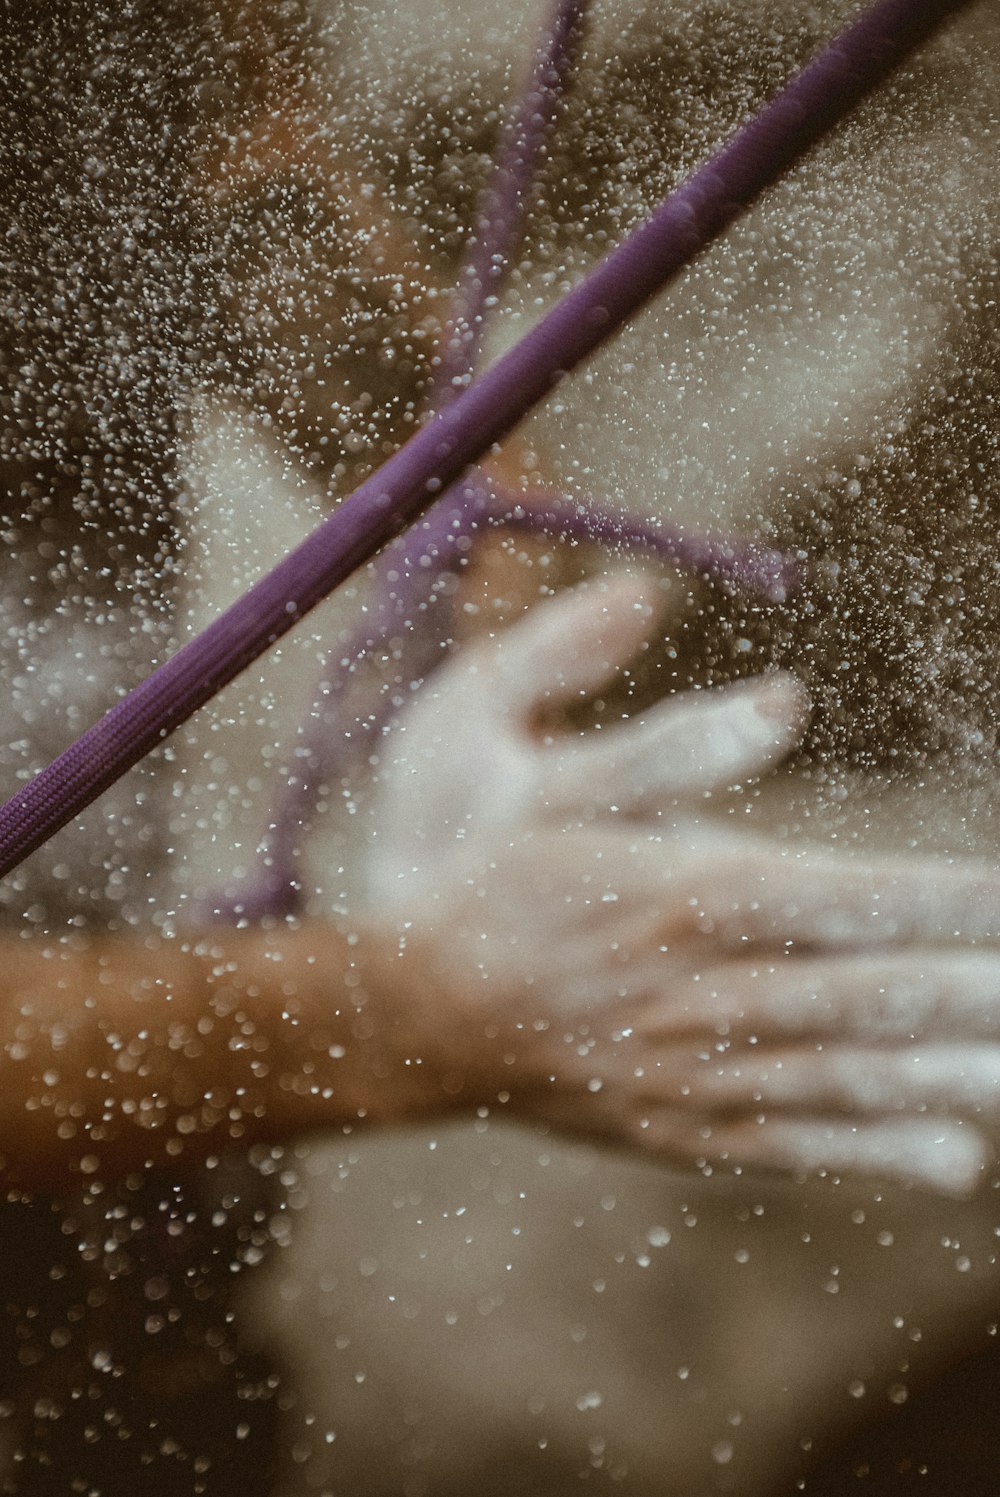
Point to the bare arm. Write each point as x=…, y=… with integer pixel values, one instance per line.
x=554, y=926
x=115, y=1053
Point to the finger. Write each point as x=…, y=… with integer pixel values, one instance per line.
x=836, y=900
x=743, y=892
x=940, y=1155
x=911, y=995
x=695, y=742
x=959, y=1079
x=572, y=644
x=947, y=1156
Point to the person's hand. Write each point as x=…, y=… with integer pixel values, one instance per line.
x=608, y=958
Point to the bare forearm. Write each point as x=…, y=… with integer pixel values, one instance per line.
x=116, y=1053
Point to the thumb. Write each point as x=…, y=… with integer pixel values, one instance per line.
x=572, y=644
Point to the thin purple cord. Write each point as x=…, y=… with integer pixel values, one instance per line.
x=501, y=210
x=690, y=218
x=401, y=582
x=481, y=275
x=743, y=564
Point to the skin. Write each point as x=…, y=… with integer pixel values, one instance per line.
x=554, y=926
x=116, y=1054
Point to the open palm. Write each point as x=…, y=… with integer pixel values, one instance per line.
x=607, y=957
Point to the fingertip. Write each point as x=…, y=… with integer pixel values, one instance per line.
x=953, y=1163
x=945, y=1157
x=780, y=697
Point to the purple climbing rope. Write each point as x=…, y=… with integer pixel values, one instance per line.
x=401, y=582
x=498, y=219
x=743, y=564
x=689, y=219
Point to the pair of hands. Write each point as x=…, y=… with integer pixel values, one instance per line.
x=614, y=963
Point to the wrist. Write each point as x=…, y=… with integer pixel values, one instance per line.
x=336, y=1027
x=119, y=1054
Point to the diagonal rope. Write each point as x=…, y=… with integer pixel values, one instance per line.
x=689, y=219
